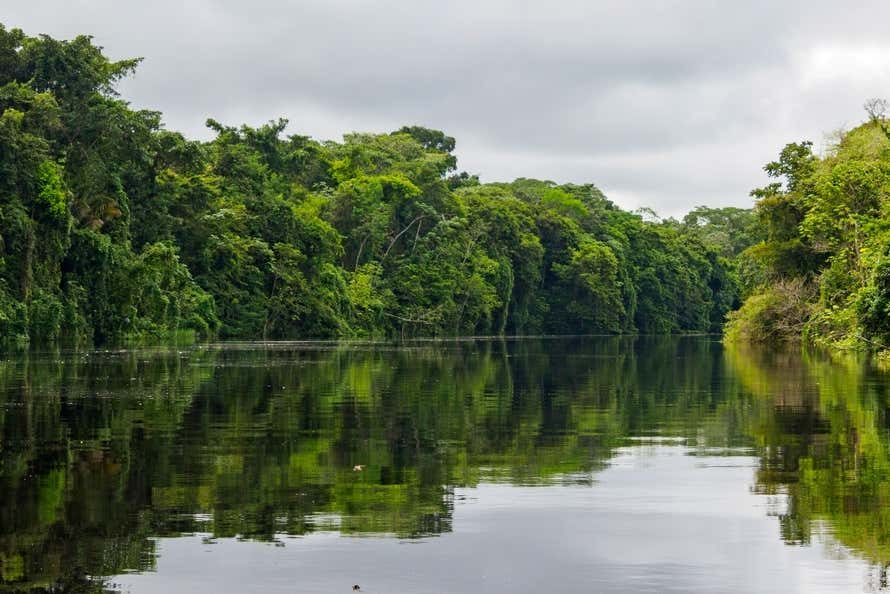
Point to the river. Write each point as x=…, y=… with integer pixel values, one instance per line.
x=598, y=465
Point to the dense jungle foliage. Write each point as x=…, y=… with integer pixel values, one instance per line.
x=822, y=271
x=112, y=227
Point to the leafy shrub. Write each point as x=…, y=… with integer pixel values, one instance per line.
x=778, y=313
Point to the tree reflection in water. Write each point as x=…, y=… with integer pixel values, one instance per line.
x=104, y=451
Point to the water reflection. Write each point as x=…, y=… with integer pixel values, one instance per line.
x=104, y=453
x=824, y=437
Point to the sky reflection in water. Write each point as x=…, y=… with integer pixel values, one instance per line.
x=598, y=464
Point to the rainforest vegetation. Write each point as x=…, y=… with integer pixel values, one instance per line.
x=822, y=271
x=113, y=227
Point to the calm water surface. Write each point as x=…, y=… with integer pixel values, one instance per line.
x=522, y=466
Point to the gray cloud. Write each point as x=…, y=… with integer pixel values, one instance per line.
x=663, y=103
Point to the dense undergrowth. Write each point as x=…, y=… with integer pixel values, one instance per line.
x=822, y=273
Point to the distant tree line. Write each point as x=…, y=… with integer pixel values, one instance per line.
x=112, y=227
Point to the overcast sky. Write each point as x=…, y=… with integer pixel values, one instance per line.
x=667, y=104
